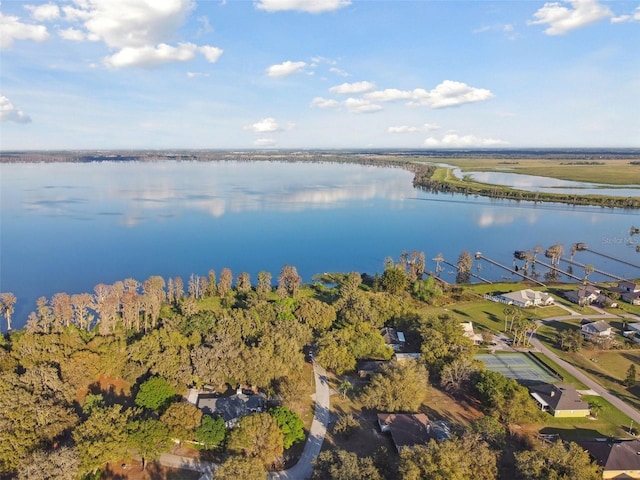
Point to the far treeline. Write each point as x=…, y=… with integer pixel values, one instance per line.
x=97, y=378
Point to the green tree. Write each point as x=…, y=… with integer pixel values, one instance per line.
x=346, y=425
x=291, y=425
x=149, y=438
x=342, y=465
x=182, y=419
x=505, y=398
x=258, y=435
x=58, y=464
x=289, y=282
x=400, y=386
x=318, y=315
x=245, y=468
x=155, y=394
x=464, y=265
x=102, y=438
x=458, y=459
x=557, y=461
x=211, y=432
x=596, y=407
x=443, y=341
x=630, y=378
x=490, y=430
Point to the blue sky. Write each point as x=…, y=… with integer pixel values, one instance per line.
x=118, y=74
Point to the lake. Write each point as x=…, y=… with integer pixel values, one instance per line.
x=66, y=227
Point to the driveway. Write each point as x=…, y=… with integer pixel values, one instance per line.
x=301, y=470
x=589, y=382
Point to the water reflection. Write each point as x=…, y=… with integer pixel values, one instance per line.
x=139, y=191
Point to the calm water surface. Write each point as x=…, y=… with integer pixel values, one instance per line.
x=67, y=227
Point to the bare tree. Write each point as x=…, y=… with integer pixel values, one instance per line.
x=243, y=282
x=224, y=284
x=264, y=284
x=289, y=282
x=7, y=304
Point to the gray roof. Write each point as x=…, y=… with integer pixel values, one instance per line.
x=560, y=397
x=407, y=429
x=599, y=326
x=233, y=407
x=619, y=455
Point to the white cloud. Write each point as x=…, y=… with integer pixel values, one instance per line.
x=339, y=72
x=427, y=127
x=635, y=17
x=196, y=74
x=264, y=125
x=360, y=105
x=310, y=6
x=9, y=113
x=449, y=94
x=212, y=54
x=562, y=19
x=453, y=140
x=45, y=12
x=320, y=102
x=11, y=28
x=388, y=95
x=264, y=142
x=72, y=34
x=151, y=56
x=286, y=68
x=352, y=88
x=134, y=23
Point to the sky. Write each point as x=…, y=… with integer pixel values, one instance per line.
x=316, y=74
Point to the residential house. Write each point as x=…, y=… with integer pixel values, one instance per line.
x=629, y=292
x=596, y=330
x=559, y=400
x=229, y=408
x=393, y=338
x=584, y=295
x=407, y=429
x=618, y=458
x=526, y=298
x=476, y=338
x=633, y=331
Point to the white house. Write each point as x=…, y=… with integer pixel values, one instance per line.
x=597, y=330
x=526, y=298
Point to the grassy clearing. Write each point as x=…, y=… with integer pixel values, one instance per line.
x=613, y=172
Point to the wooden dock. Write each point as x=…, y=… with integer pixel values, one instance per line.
x=479, y=256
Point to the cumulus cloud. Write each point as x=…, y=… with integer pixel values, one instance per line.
x=634, y=17
x=137, y=30
x=449, y=94
x=453, y=140
x=212, y=54
x=11, y=28
x=151, y=56
x=286, y=68
x=562, y=19
x=310, y=6
x=9, y=113
x=45, y=12
x=388, y=95
x=72, y=34
x=360, y=105
x=320, y=102
x=352, y=88
x=265, y=125
x=427, y=127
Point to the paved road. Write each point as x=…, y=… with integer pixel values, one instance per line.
x=304, y=468
x=589, y=382
x=301, y=470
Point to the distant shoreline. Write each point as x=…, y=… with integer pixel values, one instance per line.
x=421, y=162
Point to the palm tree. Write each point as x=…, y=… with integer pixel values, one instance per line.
x=588, y=270
x=344, y=388
x=596, y=408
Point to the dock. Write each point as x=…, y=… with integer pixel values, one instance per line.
x=479, y=256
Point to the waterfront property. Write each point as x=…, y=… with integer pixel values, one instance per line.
x=525, y=298
x=629, y=292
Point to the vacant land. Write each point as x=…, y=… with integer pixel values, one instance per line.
x=608, y=171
